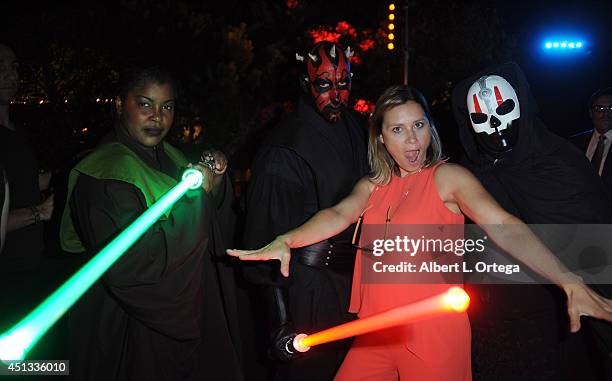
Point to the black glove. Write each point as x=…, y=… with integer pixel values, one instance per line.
x=281, y=347
x=283, y=332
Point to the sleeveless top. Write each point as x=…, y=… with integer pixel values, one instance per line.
x=411, y=200
x=441, y=341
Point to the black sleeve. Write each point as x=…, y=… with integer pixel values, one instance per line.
x=100, y=210
x=276, y=196
x=276, y=202
x=226, y=213
x=157, y=280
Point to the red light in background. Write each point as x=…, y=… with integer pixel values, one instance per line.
x=363, y=106
x=324, y=35
x=345, y=28
x=366, y=44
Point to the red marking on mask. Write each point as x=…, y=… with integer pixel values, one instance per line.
x=476, y=105
x=336, y=96
x=498, y=96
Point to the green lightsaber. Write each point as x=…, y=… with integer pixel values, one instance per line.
x=19, y=340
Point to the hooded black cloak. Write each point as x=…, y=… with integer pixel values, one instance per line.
x=164, y=310
x=543, y=180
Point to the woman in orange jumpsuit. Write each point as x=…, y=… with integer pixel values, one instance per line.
x=411, y=184
x=432, y=349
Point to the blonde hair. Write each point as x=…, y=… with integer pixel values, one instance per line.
x=382, y=164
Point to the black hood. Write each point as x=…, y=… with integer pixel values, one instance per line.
x=544, y=179
x=533, y=136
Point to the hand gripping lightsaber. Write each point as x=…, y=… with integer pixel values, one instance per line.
x=19, y=340
x=453, y=300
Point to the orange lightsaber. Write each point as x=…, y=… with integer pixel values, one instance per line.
x=455, y=299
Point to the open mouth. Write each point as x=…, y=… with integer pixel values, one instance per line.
x=412, y=155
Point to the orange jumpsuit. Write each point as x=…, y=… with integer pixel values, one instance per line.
x=434, y=349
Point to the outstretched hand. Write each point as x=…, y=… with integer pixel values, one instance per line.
x=582, y=300
x=277, y=249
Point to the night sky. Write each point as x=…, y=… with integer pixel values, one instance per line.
x=448, y=41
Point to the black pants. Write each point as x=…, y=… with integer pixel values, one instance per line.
x=318, y=299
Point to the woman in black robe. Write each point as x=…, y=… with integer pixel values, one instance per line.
x=162, y=311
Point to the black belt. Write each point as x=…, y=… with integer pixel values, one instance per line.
x=328, y=253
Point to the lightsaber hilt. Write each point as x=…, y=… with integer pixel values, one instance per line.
x=293, y=345
x=297, y=344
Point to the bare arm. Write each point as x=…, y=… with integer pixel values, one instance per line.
x=322, y=225
x=331, y=221
x=19, y=218
x=515, y=237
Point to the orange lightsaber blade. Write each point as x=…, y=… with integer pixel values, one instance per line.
x=455, y=299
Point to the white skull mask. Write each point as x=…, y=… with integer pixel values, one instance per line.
x=492, y=104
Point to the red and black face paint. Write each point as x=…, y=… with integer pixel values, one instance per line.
x=329, y=79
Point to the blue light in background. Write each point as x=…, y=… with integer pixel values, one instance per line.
x=563, y=44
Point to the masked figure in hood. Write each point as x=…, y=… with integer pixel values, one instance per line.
x=492, y=115
x=542, y=179
x=310, y=162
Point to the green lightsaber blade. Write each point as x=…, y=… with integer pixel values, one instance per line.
x=19, y=340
